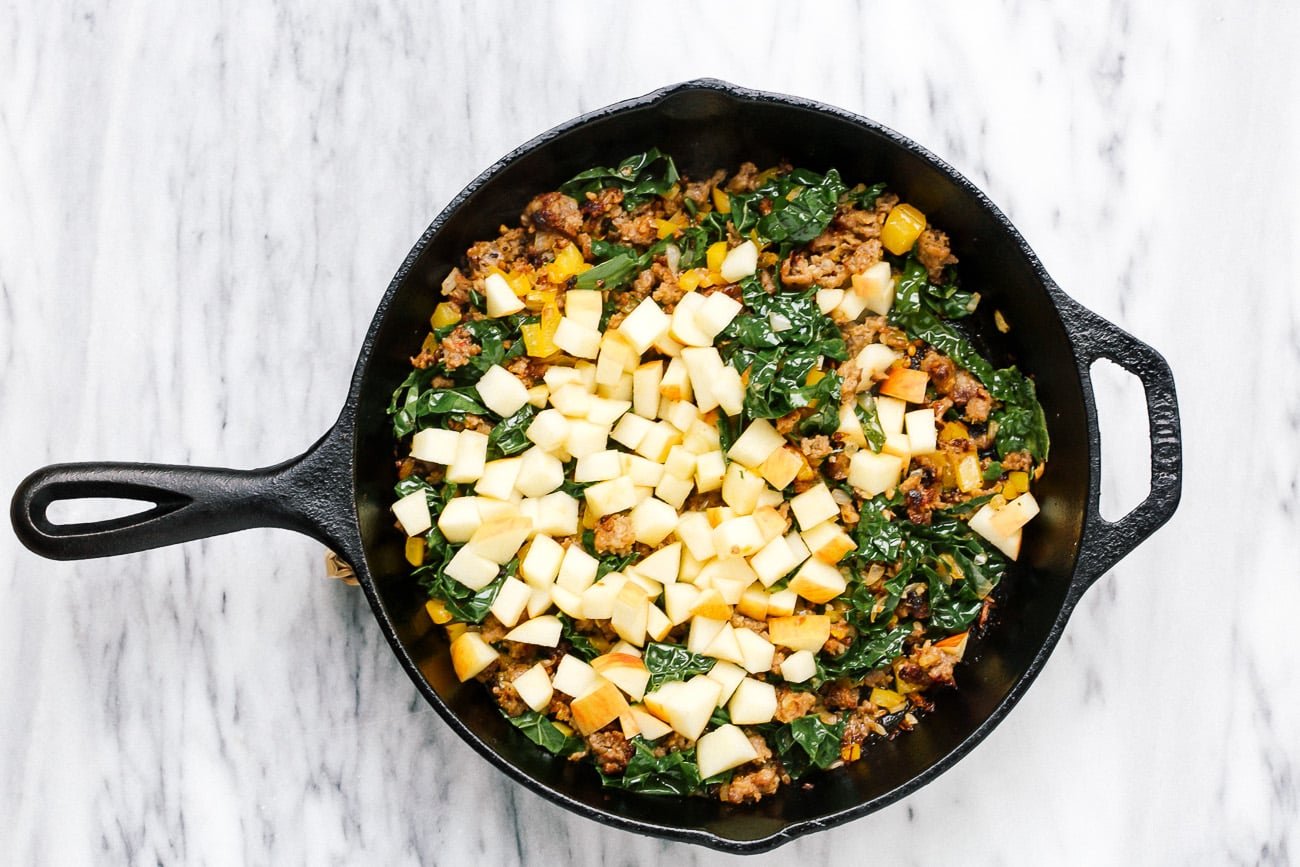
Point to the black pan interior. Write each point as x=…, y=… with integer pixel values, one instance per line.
x=705, y=128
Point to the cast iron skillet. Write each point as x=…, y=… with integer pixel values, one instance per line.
x=339, y=491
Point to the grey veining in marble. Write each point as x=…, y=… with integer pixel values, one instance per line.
x=200, y=205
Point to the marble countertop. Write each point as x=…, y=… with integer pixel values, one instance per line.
x=200, y=205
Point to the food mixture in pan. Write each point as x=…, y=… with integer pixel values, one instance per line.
x=700, y=480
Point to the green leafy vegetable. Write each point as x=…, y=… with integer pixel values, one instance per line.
x=675, y=773
x=870, y=421
x=580, y=644
x=673, y=662
x=607, y=562
x=415, y=407
x=872, y=649
x=1021, y=422
x=640, y=177
x=545, y=734
x=800, y=205
x=807, y=743
x=610, y=274
x=508, y=436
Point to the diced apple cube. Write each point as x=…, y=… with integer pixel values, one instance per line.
x=598, y=599
x=695, y=531
x=703, y=628
x=741, y=262
x=615, y=495
x=643, y=326
x=598, y=467
x=680, y=463
x=828, y=542
x=652, y=521
x=412, y=512
x=645, y=388
x=738, y=537
x=727, y=675
x=584, y=306
x=679, y=600
x=753, y=703
x=706, y=370
x=501, y=391
x=662, y=565
x=685, y=706
x=572, y=399
x=534, y=687
x=780, y=467
x=684, y=327
x=800, y=631
x=799, y=666
x=470, y=654
x=770, y=522
x=728, y=577
x=576, y=339
x=891, y=411
x=658, y=440
x=498, y=479
x=818, y=582
x=625, y=671
x=828, y=299
x=922, y=436
x=598, y=708
x=434, y=445
x=459, y=519
x=702, y=437
x=724, y=646
x=538, y=396
x=652, y=728
x=471, y=455
x=605, y=410
x=575, y=678
x=756, y=444
x=729, y=391
x=471, y=569
x=850, y=426
x=539, y=601
x=676, y=382
x=710, y=470
x=775, y=560
x=716, y=313
x=539, y=473
x=549, y=429
x=557, y=376
x=850, y=307
x=874, y=473
x=631, y=429
x=617, y=357
x=753, y=602
x=876, y=288
x=756, y=651
x=657, y=624
x=874, y=360
x=631, y=610
x=1015, y=514
x=814, y=506
x=499, y=540
x=586, y=438
x=510, y=601
x=501, y=299
x=577, y=569
x=982, y=522
x=541, y=563
x=905, y=384
x=741, y=487
x=543, y=631
x=673, y=490
x=558, y=515
x=782, y=603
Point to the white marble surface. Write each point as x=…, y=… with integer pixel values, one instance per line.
x=200, y=206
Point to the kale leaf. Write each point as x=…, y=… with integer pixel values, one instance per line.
x=580, y=644
x=545, y=734
x=675, y=773
x=807, y=743
x=641, y=177
x=508, y=436
x=673, y=662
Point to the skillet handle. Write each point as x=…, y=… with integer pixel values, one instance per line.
x=1105, y=542
x=309, y=494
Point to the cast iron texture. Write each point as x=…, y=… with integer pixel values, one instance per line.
x=340, y=490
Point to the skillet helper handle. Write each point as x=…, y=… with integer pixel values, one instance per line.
x=1106, y=542
x=188, y=503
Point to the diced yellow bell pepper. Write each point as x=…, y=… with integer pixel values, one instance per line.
x=851, y=753
x=888, y=699
x=953, y=430
x=568, y=263
x=438, y=612
x=415, y=550
x=715, y=254
x=721, y=201
x=815, y=376
x=430, y=343
x=456, y=630
x=689, y=281
x=539, y=337
x=969, y=477
x=902, y=227
x=444, y=314
x=1016, y=484
x=539, y=300
x=521, y=282
x=666, y=228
